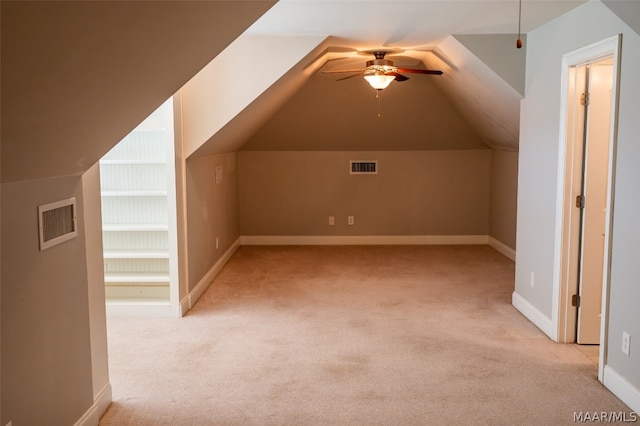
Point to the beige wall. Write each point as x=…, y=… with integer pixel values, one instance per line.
x=329, y=115
x=46, y=346
x=414, y=193
x=504, y=196
x=212, y=212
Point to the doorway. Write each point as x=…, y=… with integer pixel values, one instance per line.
x=588, y=132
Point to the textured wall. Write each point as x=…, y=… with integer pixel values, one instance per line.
x=212, y=211
x=414, y=193
x=504, y=196
x=46, y=347
x=329, y=115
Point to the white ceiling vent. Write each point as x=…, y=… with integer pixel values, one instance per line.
x=57, y=222
x=363, y=167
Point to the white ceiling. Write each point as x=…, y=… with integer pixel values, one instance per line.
x=472, y=41
x=420, y=25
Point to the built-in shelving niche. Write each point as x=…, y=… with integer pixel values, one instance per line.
x=137, y=179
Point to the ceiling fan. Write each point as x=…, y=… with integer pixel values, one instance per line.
x=381, y=72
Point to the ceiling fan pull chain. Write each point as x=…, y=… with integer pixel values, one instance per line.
x=519, y=41
x=379, y=103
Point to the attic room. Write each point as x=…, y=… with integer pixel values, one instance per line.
x=481, y=142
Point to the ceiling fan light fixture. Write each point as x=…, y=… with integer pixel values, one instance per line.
x=379, y=80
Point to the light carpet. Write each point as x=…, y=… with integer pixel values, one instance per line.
x=351, y=335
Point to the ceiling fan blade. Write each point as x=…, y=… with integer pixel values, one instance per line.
x=342, y=71
x=350, y=76
x=399, y=77
x=420, y=71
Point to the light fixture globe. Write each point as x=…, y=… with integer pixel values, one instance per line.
x=378, y=72
x=378, y=79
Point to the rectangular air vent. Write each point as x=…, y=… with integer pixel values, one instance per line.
x=57, y=222
x=364, y=167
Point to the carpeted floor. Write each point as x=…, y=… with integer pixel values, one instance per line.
x=351, y=335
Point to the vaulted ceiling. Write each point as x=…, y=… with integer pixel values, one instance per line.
x=78, y=76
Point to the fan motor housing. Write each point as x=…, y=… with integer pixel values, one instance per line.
x=379, y=63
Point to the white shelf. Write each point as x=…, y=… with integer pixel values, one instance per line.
x=136, y=254
x=129, y=193
x=128, y=278
x=132, y=161
x=135, y=227
x=135, y=213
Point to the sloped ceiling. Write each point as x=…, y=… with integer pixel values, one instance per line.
x=77, y=76
x=213, y=99
x=628, y=11
x=475, y=103
x=411, y=24
x=349, y=115
x=484, y=79
x=471, y=106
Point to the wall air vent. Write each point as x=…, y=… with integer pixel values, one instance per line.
x=363, y=167
x=57, y=222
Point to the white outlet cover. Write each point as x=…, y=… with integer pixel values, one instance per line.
x=626, y=343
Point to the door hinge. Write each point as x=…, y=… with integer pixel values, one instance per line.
x=580, y=201
x=584, y=99
x=575, y=300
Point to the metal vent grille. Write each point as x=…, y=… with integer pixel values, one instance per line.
x=57, y=222
x=363, y=167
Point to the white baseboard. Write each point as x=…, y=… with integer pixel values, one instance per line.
x=502, y=248
x=621, y=388
x=534, y=315
x=363, y=239
x=193, y=296
x=100, y=404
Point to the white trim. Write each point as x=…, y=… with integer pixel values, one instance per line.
x=621, y=388
x=532, y=313
x=249, y=240
x=193, y=296
x=100, y=404
x=502, y=248
x=609, y=47
x=615, y=45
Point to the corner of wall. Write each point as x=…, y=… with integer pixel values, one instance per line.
x=534, y=315
x=190, y=300
x=502, y=248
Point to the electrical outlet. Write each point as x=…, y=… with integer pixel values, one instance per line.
x=532, y=279
x=350, y=220
x=626, y=343
x=332, y=220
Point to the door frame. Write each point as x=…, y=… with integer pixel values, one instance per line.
x=564, y=315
